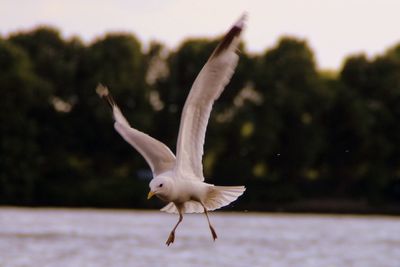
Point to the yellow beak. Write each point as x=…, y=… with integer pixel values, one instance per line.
x=151, y=193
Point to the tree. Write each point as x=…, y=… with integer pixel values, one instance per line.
x=295, y=100
x=374, y=89
x=24, y=98
x=102, y=159
x=54, y=60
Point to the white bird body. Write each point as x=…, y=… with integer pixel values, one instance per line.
x=179, y=181
x=186, y=190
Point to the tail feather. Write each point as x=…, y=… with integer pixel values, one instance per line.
x=221, y=196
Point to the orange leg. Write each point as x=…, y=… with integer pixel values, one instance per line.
x=171, y=237
x=213, y=233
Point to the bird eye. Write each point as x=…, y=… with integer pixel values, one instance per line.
x=161, y=185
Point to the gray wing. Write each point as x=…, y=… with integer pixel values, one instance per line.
x=207, y=87
x=157, y=155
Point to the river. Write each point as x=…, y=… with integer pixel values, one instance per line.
x=89, y=237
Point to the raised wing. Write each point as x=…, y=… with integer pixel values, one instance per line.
x=158, y=156
x=207, y=87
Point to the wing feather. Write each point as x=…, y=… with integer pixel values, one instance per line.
x=207, y=87
x=157, y=155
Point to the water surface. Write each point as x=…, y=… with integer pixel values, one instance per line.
x=83, y=237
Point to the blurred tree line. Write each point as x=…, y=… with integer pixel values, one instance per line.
x=297, y=137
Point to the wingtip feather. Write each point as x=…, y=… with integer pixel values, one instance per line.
x=104, y=93
x=101, y=90
x=233, y=33
x=241, y=22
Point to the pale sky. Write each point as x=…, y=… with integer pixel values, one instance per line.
x=333, y=28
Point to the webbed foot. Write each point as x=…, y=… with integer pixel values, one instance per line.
x=171, y=238
x=214, y=234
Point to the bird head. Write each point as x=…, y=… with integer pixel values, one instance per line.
x=160, y=186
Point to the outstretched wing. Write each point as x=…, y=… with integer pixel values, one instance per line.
x=207, y=87
x=158, y=156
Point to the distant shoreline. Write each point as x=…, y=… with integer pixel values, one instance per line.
x=342, y=207
x=334, y=206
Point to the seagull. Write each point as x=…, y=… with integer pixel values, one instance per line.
x=179, y=181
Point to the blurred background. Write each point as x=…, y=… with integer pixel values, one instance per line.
x=309, y=121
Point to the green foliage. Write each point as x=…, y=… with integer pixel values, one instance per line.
x=286, y=130
x=24, y=99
